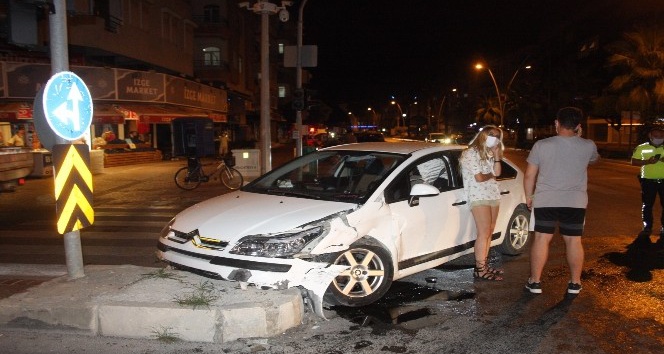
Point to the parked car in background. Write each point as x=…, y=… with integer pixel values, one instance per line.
x=465, y=138
x=317, y=140
x=440, y=138
x=369, y=136
x=344, y=222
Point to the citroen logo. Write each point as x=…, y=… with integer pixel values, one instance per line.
x=196, y=240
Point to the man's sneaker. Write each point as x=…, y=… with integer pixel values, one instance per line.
x=535, y=288
x=573, y=288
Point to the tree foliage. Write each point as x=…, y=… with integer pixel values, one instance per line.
x=638, y=60
x=488, y=112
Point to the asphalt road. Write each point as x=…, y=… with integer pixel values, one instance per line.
x=621, y=308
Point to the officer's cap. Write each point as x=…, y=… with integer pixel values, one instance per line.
x=657, y=124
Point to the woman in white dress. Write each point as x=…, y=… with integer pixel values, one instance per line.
x=480, y=165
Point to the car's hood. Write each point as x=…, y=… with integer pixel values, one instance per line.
x=234, y=215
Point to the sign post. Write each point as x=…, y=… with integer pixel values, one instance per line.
x=66, y=105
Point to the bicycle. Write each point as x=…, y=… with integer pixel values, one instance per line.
x=190, y=177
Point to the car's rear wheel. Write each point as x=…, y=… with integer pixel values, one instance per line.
x=517, y=235
x=367, y=280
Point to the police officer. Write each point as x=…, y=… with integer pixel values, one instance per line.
x=650, y=156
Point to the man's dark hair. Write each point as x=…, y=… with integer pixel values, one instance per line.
x=569, y=117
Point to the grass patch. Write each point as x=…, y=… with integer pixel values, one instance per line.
x=203, y=295
x=164, y=334
x=161, y=273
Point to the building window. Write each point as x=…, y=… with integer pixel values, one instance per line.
x=281, y=48
x=211, y=13
x=282, y=91
x=211, y=56
x=170, y=26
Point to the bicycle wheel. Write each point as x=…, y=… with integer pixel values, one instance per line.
x=231, y=178
x=186, y=180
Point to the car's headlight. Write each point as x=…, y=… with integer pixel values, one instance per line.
x=167, y=229
x=282, y=245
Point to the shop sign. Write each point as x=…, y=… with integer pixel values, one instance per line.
x=188, y=93
x=25, y=80
x=218, y=117
x=24, y=113
x=140, y=86
x=101, y=81
x=156, y=119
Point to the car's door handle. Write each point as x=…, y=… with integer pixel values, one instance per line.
x=459, y=203
x=504, y=192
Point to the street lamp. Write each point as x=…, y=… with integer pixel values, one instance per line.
x=440, y=110
x=479, y=66
x=501, y=102
x=401, y=115
x=375, y=117
x=265, y=9
x=353, y=121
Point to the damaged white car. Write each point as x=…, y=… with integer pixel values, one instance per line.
x=343, y=222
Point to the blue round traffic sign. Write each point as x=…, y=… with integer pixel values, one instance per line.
x=67, y=105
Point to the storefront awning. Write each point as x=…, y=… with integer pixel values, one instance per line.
x=15, y=111
x=103, y=113
x=166, y=113
x=108, y=113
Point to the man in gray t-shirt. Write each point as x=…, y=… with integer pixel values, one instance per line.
x=555, y=183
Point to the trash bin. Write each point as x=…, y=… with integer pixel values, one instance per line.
x=96, y=161
x=248, y=162
x=43, y=163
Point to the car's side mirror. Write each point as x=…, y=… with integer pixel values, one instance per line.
x=421, y=190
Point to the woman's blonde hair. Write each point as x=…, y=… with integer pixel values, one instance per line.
x=479, y=141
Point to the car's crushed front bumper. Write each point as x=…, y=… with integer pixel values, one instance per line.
x=275, y=273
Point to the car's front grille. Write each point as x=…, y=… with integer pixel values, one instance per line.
x=198, y=240
x=229, y=262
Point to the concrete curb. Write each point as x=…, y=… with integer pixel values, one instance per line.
x=142, y=302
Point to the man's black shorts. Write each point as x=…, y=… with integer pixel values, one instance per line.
x=569, y=220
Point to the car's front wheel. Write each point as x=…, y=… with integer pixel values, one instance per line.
x=367, y=280
x=517, y=235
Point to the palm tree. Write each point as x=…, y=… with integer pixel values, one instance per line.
x=639, y=59
x=488, y=112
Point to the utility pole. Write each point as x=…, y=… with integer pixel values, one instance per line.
x=60, y=62
x=298, y=77
x=265, y=9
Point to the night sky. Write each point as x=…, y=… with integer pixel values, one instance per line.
x=370, y=49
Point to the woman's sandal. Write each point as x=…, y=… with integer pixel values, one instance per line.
x=497, y=271
x=484, y=273
x=490, y=269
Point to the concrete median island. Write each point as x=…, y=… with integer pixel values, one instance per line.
x=143, y=302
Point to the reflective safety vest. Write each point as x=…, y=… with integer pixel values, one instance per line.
x=646, y=151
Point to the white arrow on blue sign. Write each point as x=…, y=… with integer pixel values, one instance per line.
x=67, y=105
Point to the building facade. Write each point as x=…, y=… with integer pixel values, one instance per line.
x=145, y=62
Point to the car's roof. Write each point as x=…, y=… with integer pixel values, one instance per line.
x=408, y=147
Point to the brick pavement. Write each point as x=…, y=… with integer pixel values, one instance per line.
x=12, y=284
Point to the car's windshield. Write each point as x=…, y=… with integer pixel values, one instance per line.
x=345, y=176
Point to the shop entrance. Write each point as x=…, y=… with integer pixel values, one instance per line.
x=193, y=137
